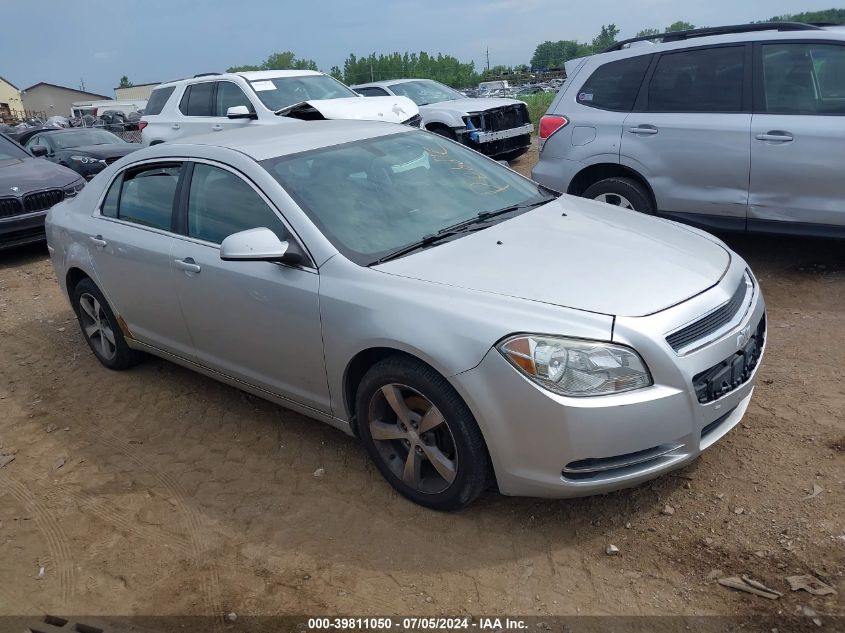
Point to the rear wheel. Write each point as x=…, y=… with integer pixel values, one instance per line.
x=626, y=193
x=421, y=435
x=100, y=327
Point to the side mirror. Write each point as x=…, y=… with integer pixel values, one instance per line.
x=259, y=244
x=39, y=150
x=504, y=162
x=240, y=112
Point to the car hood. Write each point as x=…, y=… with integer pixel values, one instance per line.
x=32, y=174
x=578, y=254
x=110, y=150
x=390, y=109
x=469, y=105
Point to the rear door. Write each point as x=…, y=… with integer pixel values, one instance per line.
x=798, y=136
x=688, y=134
x=197, y=108
x=130, y=249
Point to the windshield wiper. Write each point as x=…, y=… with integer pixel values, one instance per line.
x=476, y=223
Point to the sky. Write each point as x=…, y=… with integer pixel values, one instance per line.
x=157, y=40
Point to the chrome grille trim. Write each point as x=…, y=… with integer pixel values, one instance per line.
x=715, y=323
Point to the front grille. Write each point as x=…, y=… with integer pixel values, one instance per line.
x=42, y=200
x=414, y=121
x=10, y=207
x=499, y=119
x=722, y=378
x=711, y=322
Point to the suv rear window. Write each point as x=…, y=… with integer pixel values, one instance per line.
x=157, y=100
x=614, y=86
x=702, y=80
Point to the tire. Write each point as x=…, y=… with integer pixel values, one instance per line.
x=621, y=192
x=407, y=457
x=101, y=329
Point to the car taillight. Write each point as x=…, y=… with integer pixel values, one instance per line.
x=142, y=125
x=551, y=123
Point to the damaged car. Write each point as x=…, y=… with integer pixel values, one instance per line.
x=213, y=102
x=495, y=127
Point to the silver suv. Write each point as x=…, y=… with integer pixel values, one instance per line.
x=213, y=102
x=737, y=128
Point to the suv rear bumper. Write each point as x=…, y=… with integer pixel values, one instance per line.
x=556, y=173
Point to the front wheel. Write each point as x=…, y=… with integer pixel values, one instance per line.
x=421, y=435
x=626, y=193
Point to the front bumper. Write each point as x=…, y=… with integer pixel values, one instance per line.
x=18, y=230
x=547, y=445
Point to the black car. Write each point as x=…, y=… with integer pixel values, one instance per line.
x=86, y=151
x=29, y=186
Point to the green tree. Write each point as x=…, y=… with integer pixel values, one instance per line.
x=337, y=73
x=605, y=38
x=828, y=16
x=550, y=55
x=679, y=26
x=648, y=33
x=125, y=83
x=286, y=60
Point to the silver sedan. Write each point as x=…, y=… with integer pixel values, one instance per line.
x=471, y=327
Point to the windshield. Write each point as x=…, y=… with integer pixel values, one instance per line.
x=78, y=138
x=282, y=92
x=374, y=196
x=425, y=91
x=10, y=150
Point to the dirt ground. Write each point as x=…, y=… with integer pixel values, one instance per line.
x=159, y=491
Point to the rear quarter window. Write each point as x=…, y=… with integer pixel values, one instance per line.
x=157, y=99
x=614, y=85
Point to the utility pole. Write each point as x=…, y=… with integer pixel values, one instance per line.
x=488, y=59
x=372, y=78
x=82, y=84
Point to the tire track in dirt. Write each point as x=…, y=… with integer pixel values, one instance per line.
x=207, y=573
x=51, y=528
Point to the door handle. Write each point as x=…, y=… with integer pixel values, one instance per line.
x=98, y=241
x=217, y=127
x=775, y=135
x=175, y=126
x=643, y=129
x=188, y=265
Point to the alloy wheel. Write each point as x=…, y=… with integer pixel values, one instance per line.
x=615, y=199
x=413, y=438
x=96, y=326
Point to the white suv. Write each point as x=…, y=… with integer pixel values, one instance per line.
x=214, y=102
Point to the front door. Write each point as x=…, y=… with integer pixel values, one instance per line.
x=798, y=137
x=689, y=135
x=255, y=321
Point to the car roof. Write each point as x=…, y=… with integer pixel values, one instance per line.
x=645, y=48
x=269, y=141
x=252, y=75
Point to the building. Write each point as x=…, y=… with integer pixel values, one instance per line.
x=51, y=99
x=138, y=91
x=10, y=100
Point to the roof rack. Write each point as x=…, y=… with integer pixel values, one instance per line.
x=715, y=30
x=205, y=75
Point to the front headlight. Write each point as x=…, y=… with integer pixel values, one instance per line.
x=84, y=159
x=74, y=188
x=574, y=367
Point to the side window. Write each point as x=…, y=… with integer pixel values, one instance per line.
x=109, y=208
x=703, y=80
x=157, y=100
x=804, y=78
x=147, y=193
x=614, y=86
x=221, y=203
x=372, y=92
x=229, y=95
x=197, y=99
